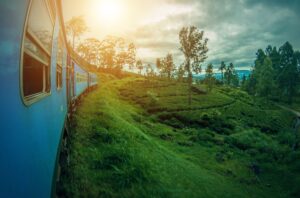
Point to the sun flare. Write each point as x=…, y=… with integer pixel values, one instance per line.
x=108, y=11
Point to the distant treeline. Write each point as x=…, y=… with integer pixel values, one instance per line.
x=276, y=74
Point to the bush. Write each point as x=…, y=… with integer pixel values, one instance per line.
x=153, y=99
x=250, y=139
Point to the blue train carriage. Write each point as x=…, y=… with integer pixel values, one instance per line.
x=33, y=104
x=81, y=83
x=93, y=81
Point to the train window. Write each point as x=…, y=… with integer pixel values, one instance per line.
x=80, y=78
x=51, y=5
x=37, y=52
x=59, y=63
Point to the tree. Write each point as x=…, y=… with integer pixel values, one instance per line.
x=75, y=27
x=159, y=65
x=275, y=59
x=194, y=48
x=107, y=53
x=180, y=73
x=228, y=75
x=209, y=78
x=266, y=84
x=243, y=82
x=222, y=68
x=258, y=64
x=235, y=81
x=288, y=71
x=89, y=50
x=250, y=84
x=139, y=66
x=297, y=57
x=167, y=65
x=131, y=56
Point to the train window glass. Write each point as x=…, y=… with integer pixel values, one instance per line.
x=51, y=4
x=40, y=25
x=33, y=76
x=59, y=62
x=37, y=51
x=81, y=78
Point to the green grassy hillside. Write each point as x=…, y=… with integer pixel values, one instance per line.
x=134, y=137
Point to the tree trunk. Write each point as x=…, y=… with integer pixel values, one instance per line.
x=74, y=42
x=190, y=79
x=222, y=76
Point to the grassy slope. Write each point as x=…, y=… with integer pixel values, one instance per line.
x=119, y=150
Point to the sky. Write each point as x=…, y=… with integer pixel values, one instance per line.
x=235, y=28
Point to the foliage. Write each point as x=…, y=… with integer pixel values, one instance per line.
x=222, y=149
x=75, y=27
x=139, y=65
x=266, y=84
x=166, y=66
x=209, y=78
x=194, y=49
x=112, y=53
x=222, y=68
x=275, y=73
x=231, y=76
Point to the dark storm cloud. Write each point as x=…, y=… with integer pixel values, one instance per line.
x=236, y=28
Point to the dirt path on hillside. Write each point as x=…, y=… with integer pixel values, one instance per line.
x=290, y=110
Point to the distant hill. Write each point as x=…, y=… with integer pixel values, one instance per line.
x=218, y=75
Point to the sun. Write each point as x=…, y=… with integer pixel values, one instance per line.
x=108, y=11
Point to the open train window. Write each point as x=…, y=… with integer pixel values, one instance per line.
x=37, y=52
x=59, y=64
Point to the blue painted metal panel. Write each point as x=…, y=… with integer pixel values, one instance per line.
x=80, y=87
x=93, y=79
x=29, y=136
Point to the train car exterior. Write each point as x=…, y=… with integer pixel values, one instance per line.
x=81, y=80
x=37, y=82
x=93, y=80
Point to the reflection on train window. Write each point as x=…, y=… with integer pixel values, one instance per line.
x=37, y=51
x=80, y=78
x=59, y=63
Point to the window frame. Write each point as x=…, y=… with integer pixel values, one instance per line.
x=33, y=98
x=59, y=66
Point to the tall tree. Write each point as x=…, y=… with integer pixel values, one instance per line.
x=159, y=65
x=89, y=50
x=139, y=66
x=229, y=73
x=149, y=71
x=275, y=59
x=131, y=56
x=180, y=73
x=266, y=84
x=194, y=48
x=258, y=64
x=209, y=78
x=167, y=65
x=75, y=27
x=288, y=71
x=297, y=57
x=235, y=80
x=250, y=84
x=222, y=68
x=243, y=82
x=107, y=53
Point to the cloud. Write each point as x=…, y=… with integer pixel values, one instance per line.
x=235, y=28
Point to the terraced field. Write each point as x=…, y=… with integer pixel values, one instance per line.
x=136, y=137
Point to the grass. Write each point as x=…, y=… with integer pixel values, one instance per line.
x=138, y=138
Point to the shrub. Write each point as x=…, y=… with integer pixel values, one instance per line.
x=153, y=99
